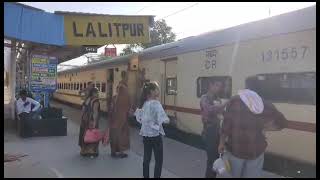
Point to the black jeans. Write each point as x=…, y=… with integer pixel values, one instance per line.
x=24, y=124
x=211, y=140
x=152, y=144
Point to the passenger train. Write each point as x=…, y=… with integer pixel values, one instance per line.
x=275, y=56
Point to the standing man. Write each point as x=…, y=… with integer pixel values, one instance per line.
x=211, y=107
x=242, y=134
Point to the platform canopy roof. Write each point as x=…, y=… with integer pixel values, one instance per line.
x=37, y=30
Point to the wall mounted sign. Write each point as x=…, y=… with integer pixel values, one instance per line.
x=83, y=29
x=90, y=49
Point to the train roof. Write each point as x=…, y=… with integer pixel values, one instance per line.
x=295, y=21
x=282, y=24
x=113, y=61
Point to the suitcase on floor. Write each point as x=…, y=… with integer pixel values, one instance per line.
x=50, y=127
x=52, y=123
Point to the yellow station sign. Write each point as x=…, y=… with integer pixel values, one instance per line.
x=106, y=29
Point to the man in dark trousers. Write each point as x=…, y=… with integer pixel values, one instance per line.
x=211, y=107
x=26, y=108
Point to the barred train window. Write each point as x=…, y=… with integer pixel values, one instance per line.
x=103, y=87
x=203, y=82
x=171, y=86
x=293, y=88
x=98, y=85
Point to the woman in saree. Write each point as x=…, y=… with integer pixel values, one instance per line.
x=90, y=120
x=119, y=125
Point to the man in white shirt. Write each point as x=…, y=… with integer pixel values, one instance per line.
x=26, y=108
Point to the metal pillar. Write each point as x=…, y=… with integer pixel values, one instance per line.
x=12, y=78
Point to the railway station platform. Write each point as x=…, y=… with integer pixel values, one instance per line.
x=59, y=156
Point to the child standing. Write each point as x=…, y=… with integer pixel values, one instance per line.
x=151, y=115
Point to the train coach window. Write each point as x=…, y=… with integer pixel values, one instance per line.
x=103, y=87
x=293, y=88
x=98, y=86
x=203, y=82
x=171, y=86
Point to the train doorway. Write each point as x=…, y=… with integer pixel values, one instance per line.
x=170, y=94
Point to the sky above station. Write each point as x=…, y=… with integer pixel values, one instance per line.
x=185, y=18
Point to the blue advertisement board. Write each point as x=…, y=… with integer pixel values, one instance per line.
x=43, y=77
x=43, y=73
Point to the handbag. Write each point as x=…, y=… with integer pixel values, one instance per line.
x=92, y=136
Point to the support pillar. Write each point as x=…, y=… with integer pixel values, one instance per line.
x=12, y=78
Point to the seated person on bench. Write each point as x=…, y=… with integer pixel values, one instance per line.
x=26, y=108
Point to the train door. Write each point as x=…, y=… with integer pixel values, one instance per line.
x=170, y=93
x=133, y=73
x=132, y=86
x=109, y=91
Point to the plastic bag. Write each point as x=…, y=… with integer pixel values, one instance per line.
x=222, y=166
